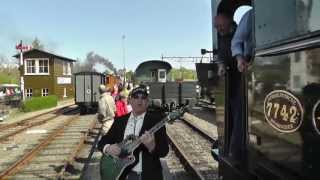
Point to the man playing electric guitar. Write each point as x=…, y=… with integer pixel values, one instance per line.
x=151, y=147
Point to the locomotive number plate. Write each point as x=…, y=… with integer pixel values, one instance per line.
x=316, y=117
x=283, y=111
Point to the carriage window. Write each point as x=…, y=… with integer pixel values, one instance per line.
x=299, y=18
x=162, y=74
x=153, y=74
x=107, y=80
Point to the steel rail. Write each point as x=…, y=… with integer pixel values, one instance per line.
x=182, y=154
x=14, y=168
x=197, y=128
x=5, y=137
x=25, y=121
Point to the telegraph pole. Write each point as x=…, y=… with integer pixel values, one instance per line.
x=124, y=60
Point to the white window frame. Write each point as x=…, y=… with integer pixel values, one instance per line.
x=27, y=66
x=66, y=69
x=69, y=68
x=162, y=72
x=44, y=92
x=65, y=92
x=37, y=68
x=28, y=93
x=44, y=60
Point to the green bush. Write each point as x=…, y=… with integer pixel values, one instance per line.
x=38, y=103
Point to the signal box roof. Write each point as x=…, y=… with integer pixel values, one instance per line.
x=43, y=52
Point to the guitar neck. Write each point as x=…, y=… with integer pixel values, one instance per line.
x=154, y=129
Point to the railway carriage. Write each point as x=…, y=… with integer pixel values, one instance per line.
x=280, y=94
x=112, y=80
x=163, y=92
x=87, y=90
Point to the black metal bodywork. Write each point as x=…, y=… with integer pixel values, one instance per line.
x=172, y=93
x=208, y=79
x=281, y=95
x=169, y=93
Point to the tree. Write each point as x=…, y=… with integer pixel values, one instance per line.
x=36, y=44
x=182, y=74
x=129, y=76
x=3, y=60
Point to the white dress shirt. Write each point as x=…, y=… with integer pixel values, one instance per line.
x=134, y=126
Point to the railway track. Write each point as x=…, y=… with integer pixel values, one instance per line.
x=54, y=152
x=9, y=130
x=192, y=145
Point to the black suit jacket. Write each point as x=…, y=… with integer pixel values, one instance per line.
x=151, y=167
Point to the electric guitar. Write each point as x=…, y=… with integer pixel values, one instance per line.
x=113, y=168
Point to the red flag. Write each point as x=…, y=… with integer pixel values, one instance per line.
x=19, y=46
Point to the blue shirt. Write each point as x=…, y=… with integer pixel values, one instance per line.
x=241, y=43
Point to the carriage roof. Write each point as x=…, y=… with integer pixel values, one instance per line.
x=153, y=64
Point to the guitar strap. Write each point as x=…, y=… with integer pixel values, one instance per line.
x=135, y=125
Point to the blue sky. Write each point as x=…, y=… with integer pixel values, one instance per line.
x=72, y=28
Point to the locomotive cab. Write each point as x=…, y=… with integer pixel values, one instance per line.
x=158, y=75
x=162, y=91
x=280, y=94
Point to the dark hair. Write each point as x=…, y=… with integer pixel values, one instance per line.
x=120, y=87
x=226, y=8
x=116, y=98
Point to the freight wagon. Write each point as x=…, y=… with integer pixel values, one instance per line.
x=87, y=90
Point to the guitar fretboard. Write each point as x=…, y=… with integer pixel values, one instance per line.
x=154, y=129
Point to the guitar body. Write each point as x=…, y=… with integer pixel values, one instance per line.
x=113, y=168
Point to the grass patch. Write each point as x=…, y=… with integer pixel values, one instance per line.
x=9, y=76
x=38, y=103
